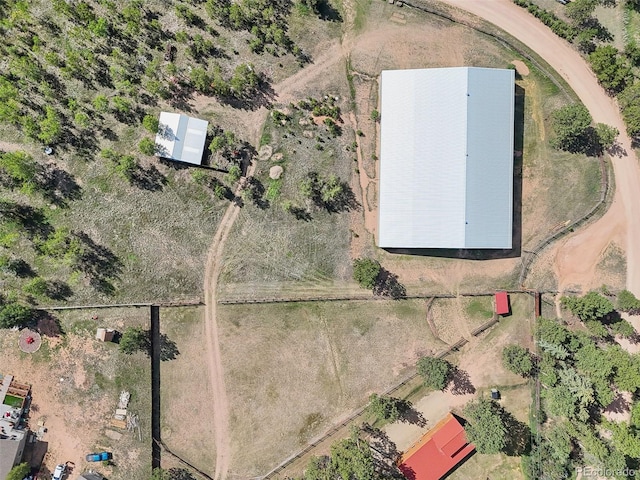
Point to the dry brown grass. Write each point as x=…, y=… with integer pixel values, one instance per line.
x=293, y=370
x=185, y=390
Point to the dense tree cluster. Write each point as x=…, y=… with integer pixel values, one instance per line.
x=580, y=376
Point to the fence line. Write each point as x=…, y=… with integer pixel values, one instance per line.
x=602, y=202
x=177, y=303
x=346, y=298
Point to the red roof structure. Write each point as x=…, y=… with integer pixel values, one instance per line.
x=437, y=452
x=502, y=303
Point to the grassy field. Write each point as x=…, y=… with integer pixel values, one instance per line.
x=294, y=369
x=185, y=393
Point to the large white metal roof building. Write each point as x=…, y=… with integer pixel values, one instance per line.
x=181, y=138
x=446, y=158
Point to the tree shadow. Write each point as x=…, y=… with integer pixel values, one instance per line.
x=33, y=221
x=57, y=290
x=460, y=383
x=387, y=285
x=58, y=186
x=386, y=454
x=150, y=179
x=618, y=405
x=99, y=263
x=168, y=348
x=300, y=213
x=262, y=96
x=345, y=201
x=519, y=437
x=19, y=268
x=327, y=12
x=408, y=414
x=255, y=192
x=48, y=325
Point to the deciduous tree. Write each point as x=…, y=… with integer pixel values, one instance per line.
x=517, y=359
x=135, y=339
x=436, y=372
x=485, y=427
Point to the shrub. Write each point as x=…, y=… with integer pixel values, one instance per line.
x=366, y=271
x=147, y=146
x=151, y=122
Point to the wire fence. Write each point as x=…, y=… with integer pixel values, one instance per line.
x=596, y=210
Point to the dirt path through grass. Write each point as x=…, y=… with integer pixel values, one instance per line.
x=10, y=147
x=622, y=216
x=285, y=91
x=220, y=403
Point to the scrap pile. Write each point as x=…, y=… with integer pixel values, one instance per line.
x=119, y=418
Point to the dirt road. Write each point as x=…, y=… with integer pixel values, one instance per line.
x=561, y=56
x=220, y=403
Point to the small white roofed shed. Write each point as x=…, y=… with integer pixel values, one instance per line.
x=181, y=137
x=446, y=158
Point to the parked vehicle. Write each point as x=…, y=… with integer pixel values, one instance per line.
x=98, y=457
x=59, y=472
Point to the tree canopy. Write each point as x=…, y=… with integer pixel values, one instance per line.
x=436, y=372
x=14, y=315
x=350, y=459
x=135, y=339
x=485, y=427
x=366, y=271
x=612, y=69
x=627, y=302
x=572, y=127
x=19, y=472
x=384, y=407
x=517, y=359
x=592, y=306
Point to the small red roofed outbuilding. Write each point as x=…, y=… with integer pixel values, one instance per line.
x=437, y=452
x=502, y=303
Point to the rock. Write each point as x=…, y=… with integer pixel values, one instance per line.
x=275, y=172
x=307, y=134
x=276, y=157
x=265, y=152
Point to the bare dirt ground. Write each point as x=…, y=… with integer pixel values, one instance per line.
x=10, y=147
x=71, y=397
x=626, y=209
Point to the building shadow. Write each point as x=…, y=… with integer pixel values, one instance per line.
x=34, y=454
x=516, y=229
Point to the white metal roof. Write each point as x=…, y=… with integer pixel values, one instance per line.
x=181, y=137
x=446, y=158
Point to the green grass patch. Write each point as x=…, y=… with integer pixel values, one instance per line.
x=273, y=190
x=480, y=307
x=12, y=401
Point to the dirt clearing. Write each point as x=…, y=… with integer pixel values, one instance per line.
x=76, y=381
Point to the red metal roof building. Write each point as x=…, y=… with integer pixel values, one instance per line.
x=437, y=452
x=502, y=303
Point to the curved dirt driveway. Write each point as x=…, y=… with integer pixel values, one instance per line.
x=581, y=252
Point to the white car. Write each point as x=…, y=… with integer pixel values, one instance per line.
x=59, y=472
